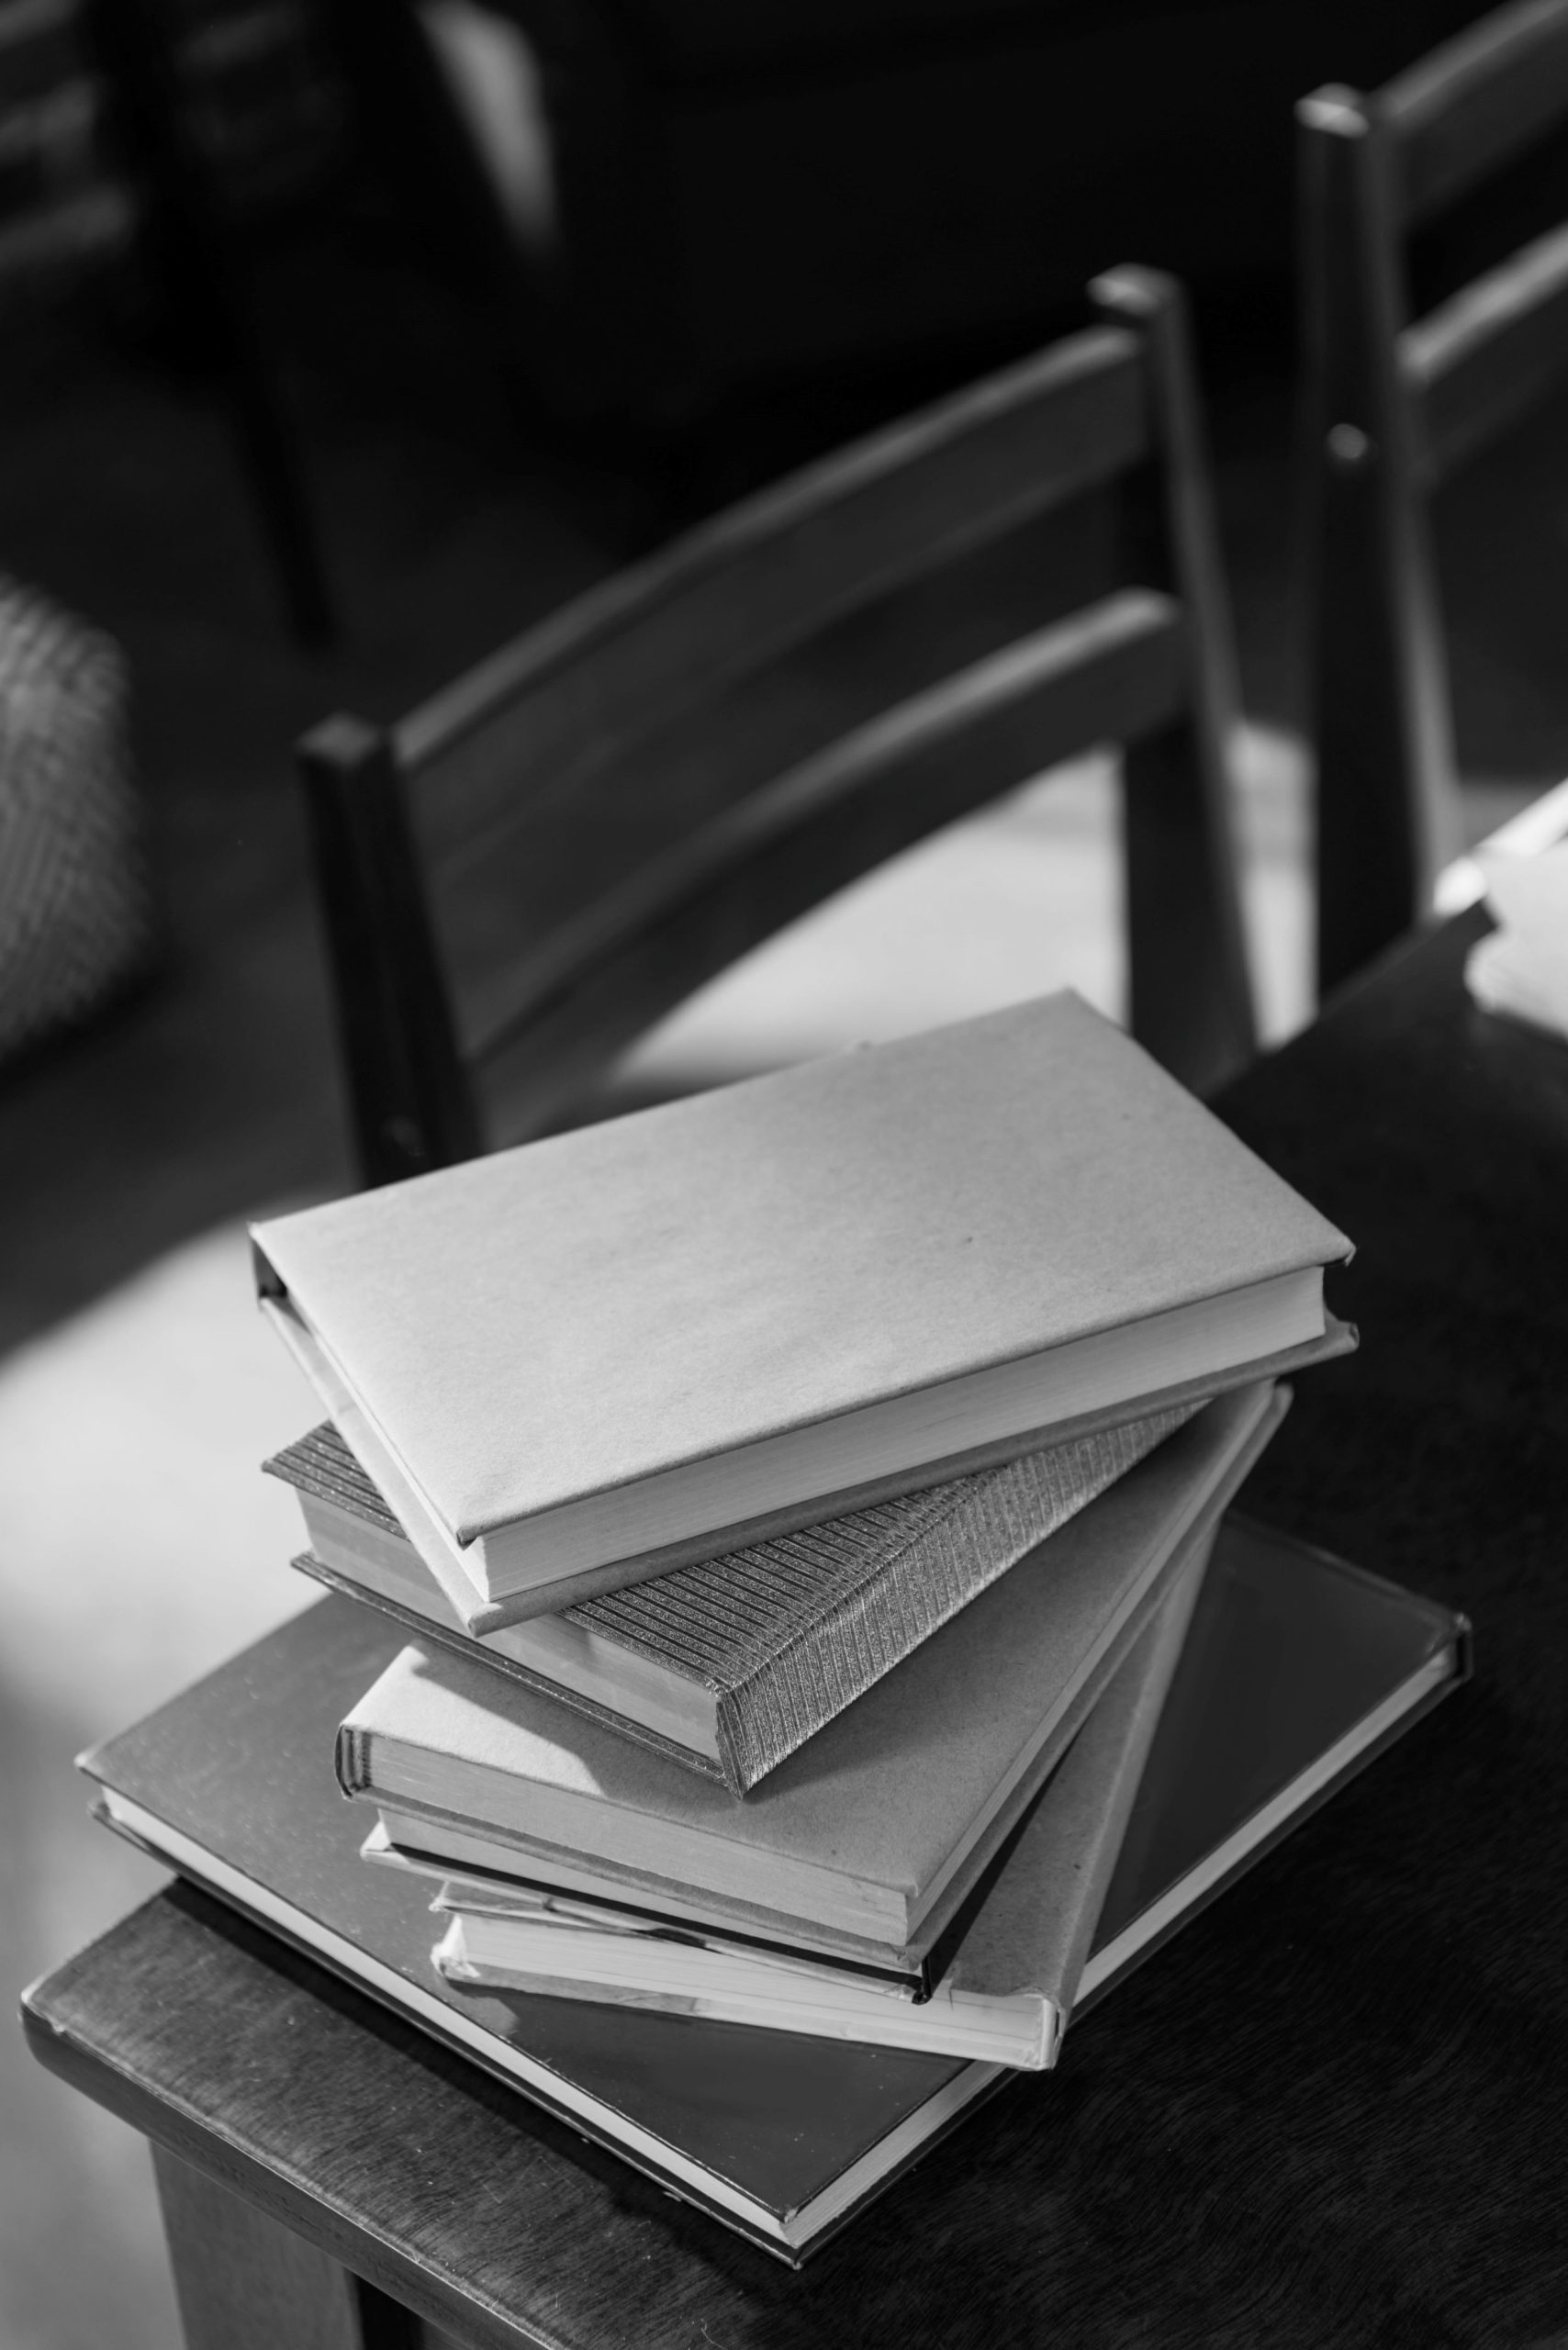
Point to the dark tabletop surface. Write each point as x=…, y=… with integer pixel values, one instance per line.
x=1333, y=2110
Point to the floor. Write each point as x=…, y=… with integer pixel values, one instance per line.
x=137, y=1392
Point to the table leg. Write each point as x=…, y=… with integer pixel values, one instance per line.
x=246, y=2282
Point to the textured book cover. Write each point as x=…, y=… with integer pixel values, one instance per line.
x=772, y=1641
x=872, y=1827
x=678, y=1332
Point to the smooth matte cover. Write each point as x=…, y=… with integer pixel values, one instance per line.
x=779, y=2135
x=1005, y=1997
x=1298, y=1669
x=593, y=1316
x=763, y=1646
x=867, y=1828
x=231, y=1783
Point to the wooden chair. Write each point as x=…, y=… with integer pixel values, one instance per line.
x=1393, y=404
x=726, y=734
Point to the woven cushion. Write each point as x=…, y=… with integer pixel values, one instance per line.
x=74, y=904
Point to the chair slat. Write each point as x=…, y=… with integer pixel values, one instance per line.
x=40, y=53
x=1476, y=102
x=1120, y=668
x=574, y=694
x=1490, y=354
x=631, y=797
x=535, y=875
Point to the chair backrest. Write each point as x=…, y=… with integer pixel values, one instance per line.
x=536, y=864
x=1393, y=404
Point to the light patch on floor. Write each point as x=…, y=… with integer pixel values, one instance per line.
x=1008, y=904
x=143, y=1545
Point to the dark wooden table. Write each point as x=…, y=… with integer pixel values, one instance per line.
x=1334, y=2111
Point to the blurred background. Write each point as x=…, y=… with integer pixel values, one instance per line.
x=341, y=344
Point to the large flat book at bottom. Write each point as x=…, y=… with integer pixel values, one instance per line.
x=781, y=2136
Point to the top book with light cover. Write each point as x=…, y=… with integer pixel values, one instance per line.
x=575, y=1365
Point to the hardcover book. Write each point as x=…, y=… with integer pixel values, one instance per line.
x=730, y=1664
x=1002, y=1997
x=1295, y=1669
x=575, y=1365
x=872, y=1833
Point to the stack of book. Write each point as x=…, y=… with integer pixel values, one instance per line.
x=802, y=1660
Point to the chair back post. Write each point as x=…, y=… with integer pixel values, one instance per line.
x=1191, y=995
x=412, y=1103
x=1386, y=789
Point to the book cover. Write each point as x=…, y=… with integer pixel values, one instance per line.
x=873, y=1829
x=674, y=1333
x=780, y=2136
x=730, y=1664
x=231, y=1783
x=1002, y=1998
x=1298, y=1670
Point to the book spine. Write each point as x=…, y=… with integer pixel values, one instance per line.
x=995, y=1519
x=344, y=1580
x=350, y=1759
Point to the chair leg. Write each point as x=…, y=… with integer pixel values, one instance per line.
x=134, y=54
x=268, y=455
